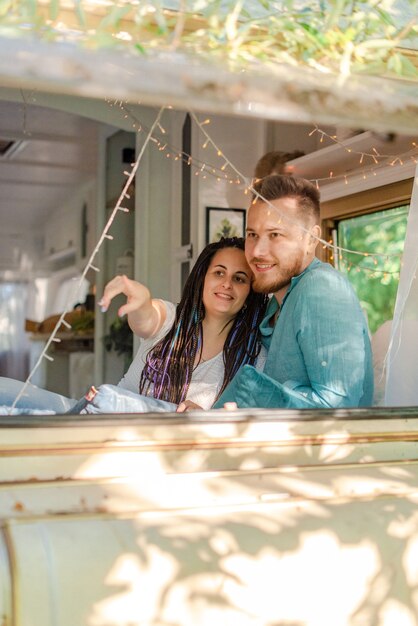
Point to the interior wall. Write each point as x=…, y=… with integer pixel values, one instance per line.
x=122, y=231
x=242, y=142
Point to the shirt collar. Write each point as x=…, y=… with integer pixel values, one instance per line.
x=265, y=329
x=294, y=281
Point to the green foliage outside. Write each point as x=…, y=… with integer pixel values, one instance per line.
x=375, y=279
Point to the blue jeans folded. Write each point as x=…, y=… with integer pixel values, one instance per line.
x=114, y=399
x=104, y=399
x=33, y=399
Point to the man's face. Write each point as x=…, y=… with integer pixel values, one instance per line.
x=277, y=248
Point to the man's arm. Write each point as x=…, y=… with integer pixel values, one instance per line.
x=335, y=345
x=332, y=343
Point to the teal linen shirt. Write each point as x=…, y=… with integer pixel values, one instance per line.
x=319, y=352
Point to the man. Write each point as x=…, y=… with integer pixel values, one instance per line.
x=315, y=332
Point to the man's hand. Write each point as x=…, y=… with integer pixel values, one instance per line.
x=188, y=405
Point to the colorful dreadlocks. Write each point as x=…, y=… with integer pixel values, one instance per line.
x=169, y=364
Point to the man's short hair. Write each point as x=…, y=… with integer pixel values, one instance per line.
x=278, y=186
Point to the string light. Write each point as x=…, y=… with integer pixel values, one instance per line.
x=371, y=170
x=258, y=196
x=174, y=151
x=241, y=180
x=361, y=154
x=62, y=321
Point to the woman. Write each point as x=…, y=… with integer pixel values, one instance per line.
x=190, y=353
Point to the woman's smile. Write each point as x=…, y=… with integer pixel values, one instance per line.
x=227, y=283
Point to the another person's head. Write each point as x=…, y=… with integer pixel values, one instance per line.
x=220, y=285
x=275, y=162
x=282, y=233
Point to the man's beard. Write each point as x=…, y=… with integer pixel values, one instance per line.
x=282, y=277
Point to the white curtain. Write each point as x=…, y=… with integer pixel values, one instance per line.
x=402, y=357
x=14, y=345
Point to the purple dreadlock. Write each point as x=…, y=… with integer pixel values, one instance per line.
x=170, y=363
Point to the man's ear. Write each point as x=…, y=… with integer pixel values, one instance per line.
x=315, y=234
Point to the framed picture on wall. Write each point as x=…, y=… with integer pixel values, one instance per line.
x=224, y=223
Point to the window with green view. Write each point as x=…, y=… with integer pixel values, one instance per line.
x=374, y=278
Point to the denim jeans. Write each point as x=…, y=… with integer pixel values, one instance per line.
x=114, y=399
x=33, y=399
x=106, y=399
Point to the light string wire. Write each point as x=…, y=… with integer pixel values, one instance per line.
x=370, y=169
x=220, y=174
x=375, y=155
x=202, y=167
x=258, y=196
x=118, y=207
x=211, y=170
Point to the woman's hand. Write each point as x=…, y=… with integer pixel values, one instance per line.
x=137, y=294
x=145, y=316
x=188, y=405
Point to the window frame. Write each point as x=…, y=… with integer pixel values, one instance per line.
x=361, y=203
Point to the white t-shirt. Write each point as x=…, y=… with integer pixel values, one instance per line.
x=206, y=379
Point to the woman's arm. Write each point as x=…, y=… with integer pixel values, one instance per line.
x=145, y=315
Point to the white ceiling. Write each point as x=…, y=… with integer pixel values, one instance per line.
x=58, y=153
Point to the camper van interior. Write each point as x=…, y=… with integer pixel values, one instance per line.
x=63, y=165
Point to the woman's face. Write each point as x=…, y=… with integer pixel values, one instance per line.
x=227, y=283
